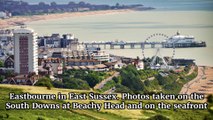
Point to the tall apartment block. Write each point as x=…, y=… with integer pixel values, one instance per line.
x=25, y=51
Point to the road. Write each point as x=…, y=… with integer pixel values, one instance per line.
x=103, y=82
x=110, y=91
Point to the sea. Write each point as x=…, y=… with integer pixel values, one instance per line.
x=189, y=17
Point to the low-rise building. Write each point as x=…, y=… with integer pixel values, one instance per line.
x=22, y=80
x=6, y=35
x=101, y=56
x=98, y=54
x=3, y=15
x=50, y=66
x=98, y=67
x=115, y=65
x=55, y=41
x=9, y=62
x=183, y=62
x=81, y=62
x=140, y=65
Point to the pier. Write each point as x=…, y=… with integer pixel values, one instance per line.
x=124, y=45
x=142, y=45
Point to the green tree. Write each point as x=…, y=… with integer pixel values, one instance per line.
x=210, y=98
x=1, y=78
x=158, y=117
x=10, y=73
x=147, y=82
x=115, y=79
x=131, y=79
x=44, y=81
x=122, y=89
x=161, y=80
x=1, y=63
x=72, y=83
x=92, y=79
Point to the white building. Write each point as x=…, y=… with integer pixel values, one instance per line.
x=3, y=15
x=98, y=54
x=140, y=65
x=101, y=56
x=25, y=51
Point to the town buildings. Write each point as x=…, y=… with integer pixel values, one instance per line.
x=25, y=51
x=66, y=43
x=6, y=43
x=33, y=57
x=98, y=54
x=5, y=15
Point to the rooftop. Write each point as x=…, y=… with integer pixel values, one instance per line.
x=23, y=30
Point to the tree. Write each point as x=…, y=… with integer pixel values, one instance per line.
x=10, y=73
x=115, y=79
x=1, y=78
x=44, y=81
x=41, y=4
x=77, y=84
x=92, y=79
x=210, y=98
x=131, y=79
x=72, y=83
x=158, y=117
x=71, y=3
x=81, y=3
x=1, y=63
x=122, y=89
x=117, y=5
x=147, y=83
x=53, y=4
x=161, y=80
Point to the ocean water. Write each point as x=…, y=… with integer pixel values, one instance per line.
x=189, y=17
x=137, y=26
x=159, y=4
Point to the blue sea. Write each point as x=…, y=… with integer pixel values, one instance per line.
x=181, y=5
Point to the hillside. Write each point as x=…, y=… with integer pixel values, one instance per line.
x=83, y=114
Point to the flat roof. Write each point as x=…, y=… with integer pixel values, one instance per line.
x=82, y=67
x=100, y=66
x=90, y=67
x=75, y=67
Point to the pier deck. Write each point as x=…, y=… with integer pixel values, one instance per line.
x=141, y=45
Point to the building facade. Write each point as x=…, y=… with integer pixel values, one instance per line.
x=9, y=62
x=25, y=52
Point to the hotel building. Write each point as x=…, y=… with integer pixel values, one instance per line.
x=25, y=51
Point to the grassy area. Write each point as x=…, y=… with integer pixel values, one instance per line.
x=86, y=114
x=33, y=114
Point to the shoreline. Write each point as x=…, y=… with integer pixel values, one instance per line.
x=202, y=83
x=18, y=20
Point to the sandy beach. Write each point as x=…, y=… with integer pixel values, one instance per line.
x=203, y=83
x=17, y=20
